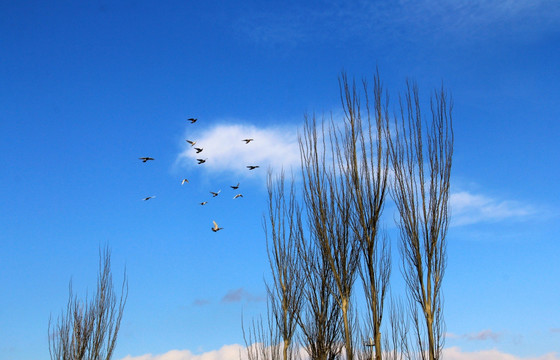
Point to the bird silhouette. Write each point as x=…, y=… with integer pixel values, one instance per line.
x=237, y=196
x=201, y=161
x=146, y=158
x=198, y=150
x=204, y=203
x=247, y=140
x=214, y=194
x=252, y=167
x=190, y=142
x=216, y=228
x=192, y=120
x=235, y=187
x=148, y=198
x=184, y=181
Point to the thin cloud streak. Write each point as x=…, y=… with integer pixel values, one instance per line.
x=478, y=336
x=302, y=23
x=238, y=295
x=468, y=208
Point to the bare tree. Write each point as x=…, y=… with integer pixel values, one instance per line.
x=284, y=232
x=88, y=329
x=320, y=317
x=366, y=171
x=422, y=169
x=329, y=208
x=262, y=342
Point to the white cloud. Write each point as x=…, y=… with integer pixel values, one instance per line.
x=467, y=208
x=225, y=150
x=455, y=353
x=238, y=352
x=226, y=352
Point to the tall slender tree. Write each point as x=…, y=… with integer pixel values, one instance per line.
x=366, y=169
x=284, y=231
x=422, y=169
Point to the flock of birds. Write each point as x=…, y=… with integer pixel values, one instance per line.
x=198, y=150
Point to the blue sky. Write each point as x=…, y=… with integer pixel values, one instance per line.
x=88, y=87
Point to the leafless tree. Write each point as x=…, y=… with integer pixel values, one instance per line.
x=329, y=208
x=366, y=169
x=262, y=341
x=88, y=329
x=320, y=317
x=422, y=169
x=284, y=231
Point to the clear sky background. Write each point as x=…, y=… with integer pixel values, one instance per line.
x=87, y=87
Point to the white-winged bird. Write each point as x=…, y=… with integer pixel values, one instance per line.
x=204, y=203
x=214, y=194
x=184, y=181
x=201, y=161
x=192, y=120
x=247, y=140
x=216, y=228
x=146, y=158
x=198, y=150
x=238, y=195
x=190, y=142
x=235, y=187
x=252, y=167
x=148, y=198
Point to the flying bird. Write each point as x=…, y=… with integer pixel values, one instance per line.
x=190, y=142
x=214, y=194
x=216, y=228
x=145, y=158
x=201, y=161
x=247, y=140
x=252, y=167
x=184, y=181
x=235, y=187
x=148, y=198
x=237, y=196
x=204, y=203
x=198, y=150
x=192, y=120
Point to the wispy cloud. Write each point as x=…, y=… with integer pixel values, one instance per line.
x=302, y=23
x=238, y=352
x=477, y=336
x=238, y=295
x=468, y=208
x=226, y=152
x=201, y=302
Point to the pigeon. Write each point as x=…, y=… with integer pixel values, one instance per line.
x=148, y=198
x=201, y=161
x=216, y=228
x=214, y=194
x=184, y=181
x=237, y=196
x=235, y=187
x=146, y=158
x=190, y=142
x=198, y=150
x=247, y=140
x=192, y=120
x=204, y=203
x=252, y=167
